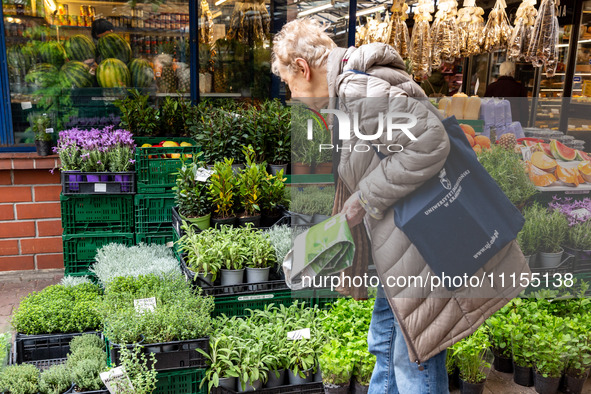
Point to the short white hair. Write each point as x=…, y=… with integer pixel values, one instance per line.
x=507, y=68
x=304, y=38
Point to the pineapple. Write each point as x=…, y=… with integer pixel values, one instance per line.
x=183, y=74
x=508, y=141
x=166, y=77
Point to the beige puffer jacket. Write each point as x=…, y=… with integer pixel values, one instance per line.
x=430, y=320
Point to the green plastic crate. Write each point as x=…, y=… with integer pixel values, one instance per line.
x=182, y=381
x=97, y=213
x=175, y=246
x=156, y=174
x=161, y=238
x=153, y=212
x=80, y=249
x=477, y=124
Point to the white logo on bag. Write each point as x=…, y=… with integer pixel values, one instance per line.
x=445, y=182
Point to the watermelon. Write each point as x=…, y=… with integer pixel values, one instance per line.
x=113, y=46
x=52, y=52
x=79, y=47
x=113, y=73
x=76, y=75
x=546, y=148
x=582, y=156
x=562, y=152
x=529, y=143
x=142, y=75
x=20, y=59
x=42, y=75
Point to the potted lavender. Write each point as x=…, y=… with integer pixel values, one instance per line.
x=578, y=236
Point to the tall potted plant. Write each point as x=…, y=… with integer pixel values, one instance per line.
x=200, y=253
x=549, y=356
x=553, y=227
x=473, y=359
x=278, y=135
x=273, y=198
x=302, y=358
x=249, y=188
x=529, y=237
x=578, y=348
x=233, y=256
x=222, y=361
x=260, y=258
x=337, y=366
x=523, y=352
x=41, y=125
x=500, y=329
x=192, y=195
x=222, y=190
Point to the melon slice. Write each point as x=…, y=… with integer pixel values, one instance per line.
x=570, y=176
x=562, y=152
x=529, y=143
x=544, y=147
x=539, y=177
x=543, y=162
x=585, y=170
x=582, y=156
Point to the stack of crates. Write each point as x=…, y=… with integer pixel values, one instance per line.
x=91, y=221
x=156, y=176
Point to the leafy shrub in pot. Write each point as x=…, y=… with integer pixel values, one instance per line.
x=336, y=363
x=191, y=195
x=55, y=380
x=549, y=357
x=22, y=379
x=473, y=357
x=223, y=189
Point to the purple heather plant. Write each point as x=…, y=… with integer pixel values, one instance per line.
x=572, y=209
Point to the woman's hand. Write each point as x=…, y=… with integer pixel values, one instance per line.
x=353, y=210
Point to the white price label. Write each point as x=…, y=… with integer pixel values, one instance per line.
x=158, y=73
x=526, y=153
x=117, y=381
x=49, y=130
x=299, y=334
x=100, y=187
x=581, y=213
x=169, y=244
x=26, y=105
x=203, y=174
x=144, y=304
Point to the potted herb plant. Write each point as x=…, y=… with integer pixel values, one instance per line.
x=273, y=198
x=233, y=257
x=222, y=362
x=578, y=348
x=260, y=258
x=523, y=352
x=578, y=242
x=22, y=378
x=553, y=227
x=549, y=363
x=137, y=115
x=473, y=359
x=252, y=366
x=201, y=253
x=192, y=195
x=249, y=188
x=529, y=238
x=222, y=190
x=55, y=379
x=278, y=135
x=499, y=330
x=302, y=359
x=322, y=157
x=278, y=365
x=302, y=149
x=337, y=367
x=41, y=125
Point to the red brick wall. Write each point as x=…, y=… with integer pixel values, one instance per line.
x=30, y=223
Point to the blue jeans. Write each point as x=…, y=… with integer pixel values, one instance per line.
x=394, y=373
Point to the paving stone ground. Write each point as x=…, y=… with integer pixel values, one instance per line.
x=15, y=286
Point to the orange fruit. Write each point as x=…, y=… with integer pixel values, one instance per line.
x=470, y=139
x=477, y=148
x=483, y=141
x=468, y=129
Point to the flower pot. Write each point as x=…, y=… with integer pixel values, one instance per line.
x=299, y=219
x=274, y=169
x=124, y=180
x=300, y=169
x=337, y=388
x=73, y=181
x=43, y=147
x=546, y=385
x=257, y=275
x=228, y=383
x=573, y=384
x=358, y=388
x=104, y=178
x=454, y=379
x=275, y=381
x=523, y=376
x=250, y=386
x=316, y=218
x=297, y=379
x=255, y=220
x=550, y=260
x=202, y=222
x=503, y=364
x=323, y=168
x=232, y=277
x=318, y=375
x=471, y=388
x=217, y=223
x=205, y=280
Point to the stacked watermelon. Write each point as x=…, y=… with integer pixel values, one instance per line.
x=76, y=75
x=114, y=46
x=113, y=73
x=80, y=48
x=42, y=75
x=52, y=52
x=142, y=74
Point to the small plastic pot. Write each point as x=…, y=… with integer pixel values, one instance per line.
x=232, y=277
x=250, y=386
x=523, y=376
x=255, y=220
x=275, y=381
x=503, y=364
x=546, y=385
x=471, y=388
x=337, y=388
x=257, y=275
x=217, y=223
x=297, y=379
x=228, y=383
x=358, y=388
x=573, y=384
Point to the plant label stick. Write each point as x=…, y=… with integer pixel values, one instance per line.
x=117, y=381
x=145, y=304
x=304, y=333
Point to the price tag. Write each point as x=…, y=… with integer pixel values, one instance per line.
x=158, y=73
x=144, y=304
x=26, y=105
x=526, y=153
x=49, y=130
x=581, y=213
x=299, y=334
x=203, y=174
x=117, y=381
x=576, y=79
x=169, y=244
x=100, y=187
x=256, y=297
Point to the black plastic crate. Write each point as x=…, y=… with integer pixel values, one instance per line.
x=582, y=260
x=308, y=388
x=42, y=365
x=98, y=182
x=73, y=390
x=43, y=347
x=169, y=355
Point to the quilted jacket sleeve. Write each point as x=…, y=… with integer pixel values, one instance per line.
x=399, y=173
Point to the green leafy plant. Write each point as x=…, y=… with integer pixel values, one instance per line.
x=249, y=183
x=579, y=236
x=529, y=237
x=277, y=120
x=20, y=379
x=59, y=309
x=553, y=227
x=273, y=196
x=40, y=123
x=222, y=359
x=223, y=189
x=336, y=363
x=549, y=342
x=141, y=370
x=312, y=200
x=201, y=248
x=137, y=115
x=86, y=360
x=174, y=112
x=55, y=380
x=472, y=358
x=191, y=196
x=252, y=363
x=499, y=331
x=302, y=356
x=508, y=171
x=578, y=345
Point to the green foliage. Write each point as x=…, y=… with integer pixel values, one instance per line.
x=55, y=380
x=39, y=123
x=543, y=230
x=59, y=309
x=143, y=378
x=281, y=237
x=249, y=183
x=20, y=379
x=549, y=342
x=180, y=313
x=137, y=115
x=500, y=330
x=174, y=113
x=336, y=363
x=529, y=238
x=312, y=200
x=472, y=357
x=223, y=189
x=579, y=236
x=275, y=133
x=86, y=373
x=508, y=171
x=273, y=194
x=86, y=341
x=192, y=196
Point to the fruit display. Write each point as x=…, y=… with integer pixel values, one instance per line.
x=250, y=23
x=399, y=37
x=497, y=31
x=543, y=49
x=445, y=35
x=113, y=73
x=206, y=25
x=470, y=28
x=80, y=48
x=420, y=45
x=166, y=77
x=522, y=33
x=142, y=74
x=562, y=152
x=508, y=141
x=76, y=75
x=478, y=143
x=114, y=46
x=52, y=52
x=42, y=75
